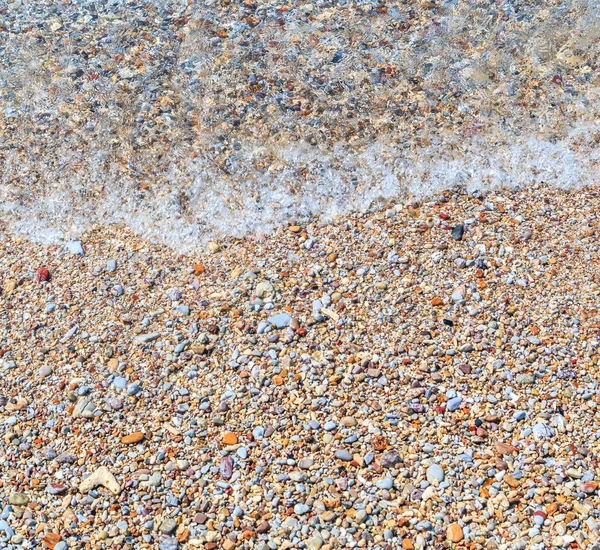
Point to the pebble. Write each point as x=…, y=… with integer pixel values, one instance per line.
x=454, y=533
x=453, y=404
x=385, y=483
x=264, y=289
x=306, y=463
x=101, y=477
x=168, y=526
x=18, y=499
x=435, y=472
x=301, y=509
x=75, y=247
x=44, y=371
x=145, y=338
x=457, y=232
x=343, y=455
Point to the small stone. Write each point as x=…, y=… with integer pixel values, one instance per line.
x=512, y=481
x=457, y=232
x=389, y=459
x=454, y=533
x=504, y=448
x=213, y=247
x=56, y=488
x=18, y=499
x=115, y=403
x=230, y=439
x=282, y=320
x=75, y=247
x=133, y=438
x=305, y=463
x=360, y=516
x=264, y=289
x=301, y=509
x=385, y=483
x=145, y=338
x=315, y=543
x=525, y=379
x=349, y=421
x=168, y=526
x=589, y=487
x=263, y=527
x=101, y=477
x=42, y=275
x=168, y=543
x=435, y=472
x=44, y=371
x=453, y=404
x=344, y=455
x=226, y=467
x=50, y=540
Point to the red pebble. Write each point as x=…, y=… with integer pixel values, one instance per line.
x=42, y=274
x=444, y=216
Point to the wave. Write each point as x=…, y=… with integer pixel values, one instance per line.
x=184, y=122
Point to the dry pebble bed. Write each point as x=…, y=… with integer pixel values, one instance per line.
x=421, y=376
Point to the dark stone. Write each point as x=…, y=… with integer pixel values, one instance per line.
x=458, y=232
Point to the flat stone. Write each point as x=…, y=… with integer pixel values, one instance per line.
x=453, y=404
x=145, y=338
x=280, y=321
x=101, y=477
x=264, y=289
x=18, y=499
x=301, y=509
x=435, y=472
x=504, y=448
x=230, y=438
x=133, y=438
x=525, y=379
x=75, y=247
x=454, y=533
x=168, y=526
x=305, y=463
x=344, y=455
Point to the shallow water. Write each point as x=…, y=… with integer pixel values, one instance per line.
x=187, y=121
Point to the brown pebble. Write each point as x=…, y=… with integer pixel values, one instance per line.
x=504, y=448
x=50, y=540
x=230, y=438
x=454, y=533
x=133, y=438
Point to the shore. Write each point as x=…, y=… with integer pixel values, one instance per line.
x=425, y=375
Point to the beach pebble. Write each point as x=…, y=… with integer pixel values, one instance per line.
x=435, y=472
x=75, y=247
